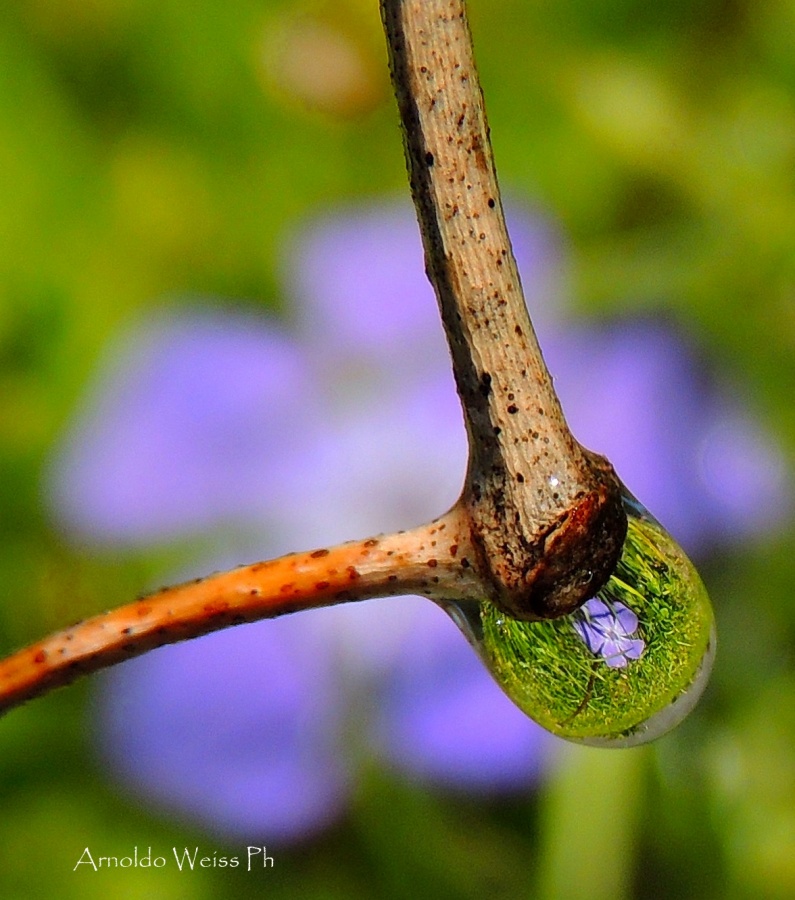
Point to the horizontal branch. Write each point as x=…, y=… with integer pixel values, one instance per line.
x=435, y=560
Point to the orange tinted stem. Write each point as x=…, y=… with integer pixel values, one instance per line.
x=435, y=560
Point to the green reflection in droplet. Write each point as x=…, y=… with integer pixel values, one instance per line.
x=617, y=679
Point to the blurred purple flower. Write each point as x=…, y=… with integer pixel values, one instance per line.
x=606, y=629
x=344, y=425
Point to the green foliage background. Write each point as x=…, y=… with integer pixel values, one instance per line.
x=148, y=153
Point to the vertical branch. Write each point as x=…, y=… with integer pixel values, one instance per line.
x=545, y=512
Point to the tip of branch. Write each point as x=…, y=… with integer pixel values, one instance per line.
x=573, y=558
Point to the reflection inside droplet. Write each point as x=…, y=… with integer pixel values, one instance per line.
x=623, y=669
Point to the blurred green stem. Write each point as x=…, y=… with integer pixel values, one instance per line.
x=589, y=818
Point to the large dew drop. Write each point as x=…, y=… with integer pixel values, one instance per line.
x=626, y=667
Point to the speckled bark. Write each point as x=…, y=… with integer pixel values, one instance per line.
x=545, y=513
x=539, y=526
x=436, y=560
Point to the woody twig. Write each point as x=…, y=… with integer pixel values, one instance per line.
x=539, y=526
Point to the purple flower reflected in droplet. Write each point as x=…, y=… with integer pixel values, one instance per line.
x=607, y=628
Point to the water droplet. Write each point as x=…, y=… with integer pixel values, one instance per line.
x=626, y=667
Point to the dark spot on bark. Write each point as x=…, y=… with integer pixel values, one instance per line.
x=453, y=549
x=392, y=578
x=322, y=585
x=144, y=610
x=465, y=564
x=432, y=563
x=492, y=204
x=353, y=573
x=520, y=477
x=127, y=630
x=429, y=159
x=40, y=657
x=512, y=409
x=485, y=384
x=318, y=553
x=286, y=588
